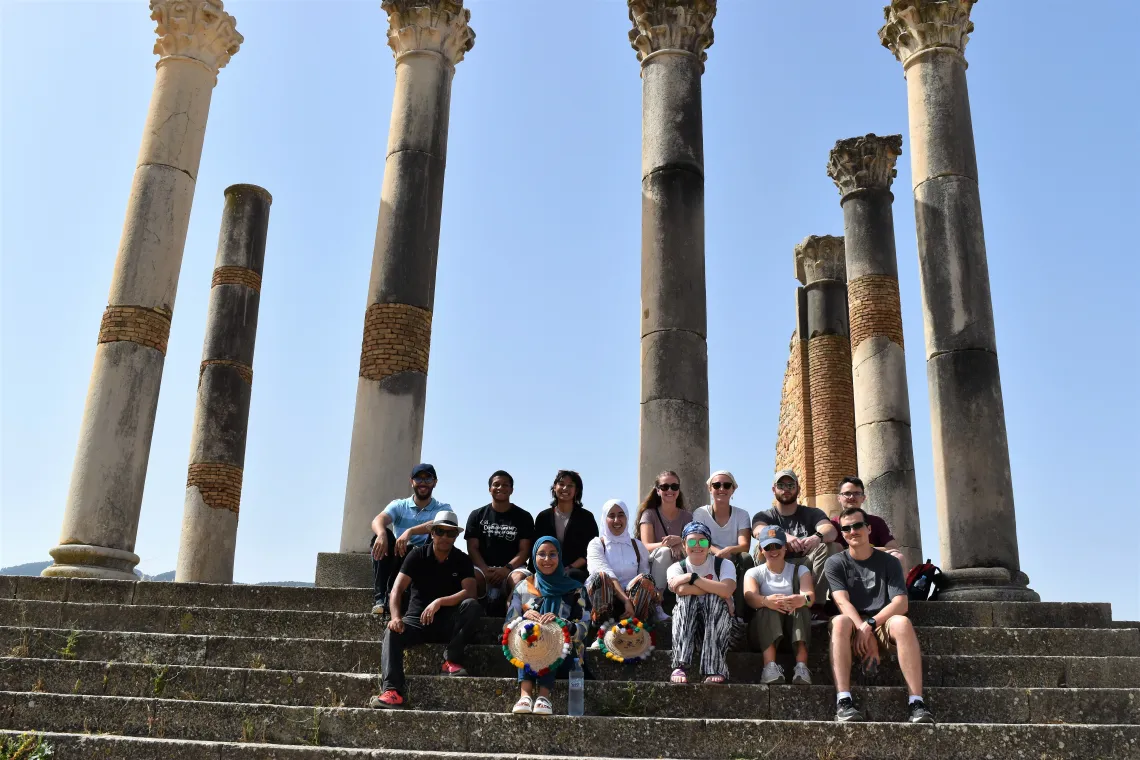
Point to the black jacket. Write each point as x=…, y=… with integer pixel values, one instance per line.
x=581, y=529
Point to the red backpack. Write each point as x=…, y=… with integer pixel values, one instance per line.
x=922, y=582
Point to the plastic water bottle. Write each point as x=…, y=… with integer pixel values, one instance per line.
x=576, y=704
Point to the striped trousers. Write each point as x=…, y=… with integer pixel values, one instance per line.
x=642, y=593
x=705, y=617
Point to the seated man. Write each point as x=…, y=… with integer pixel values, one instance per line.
x=442, y=608
x=869, y=588
x=852, y=494
x=810, y=534
x=499, y=536
x=410, y=519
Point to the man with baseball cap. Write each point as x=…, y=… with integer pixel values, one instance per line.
x=404, y=523
x=810, y=534
x=441, y=609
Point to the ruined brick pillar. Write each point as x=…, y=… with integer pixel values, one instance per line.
x=972, y=484
x=225, y=378
x=670, y=37
x=428, y=38
x=101, y=517
x=862, y=168
x=820, y=268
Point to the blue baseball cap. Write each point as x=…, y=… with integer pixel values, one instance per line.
x=772, y=534
x=424, y=467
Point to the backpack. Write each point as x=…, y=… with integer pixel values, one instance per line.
x=923, y=581
x=717, y=562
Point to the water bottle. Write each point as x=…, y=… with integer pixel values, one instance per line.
x=576, y=703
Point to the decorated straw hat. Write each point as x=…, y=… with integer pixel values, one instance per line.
x=626, y=641
x=537, y=648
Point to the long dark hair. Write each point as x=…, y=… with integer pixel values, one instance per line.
x=577, y=487
x=653, y=498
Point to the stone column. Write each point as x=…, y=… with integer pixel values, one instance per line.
x=972, y=484
x=820, y=268
x=100, y=520
x=670, y=37
x=225, y=377
x=862, y=168
x=428, y=38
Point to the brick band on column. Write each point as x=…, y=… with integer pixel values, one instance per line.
x=137, y=324
x=833, y=410
x=875, y=309
x=236, y=276
x=397, y=338
x=218, y=482
x=243, y=369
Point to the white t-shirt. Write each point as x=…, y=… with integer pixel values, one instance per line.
x=725, y=536
x=727, y=569
x=776, y=583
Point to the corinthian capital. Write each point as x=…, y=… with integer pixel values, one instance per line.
x=821, y=257
x=671, y=25
x=198, y=29
x=864, y=163
x=440, y=26
x=917, y=25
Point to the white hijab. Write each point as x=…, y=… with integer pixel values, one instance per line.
x=611, y=537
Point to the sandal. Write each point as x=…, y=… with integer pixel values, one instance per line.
x=542, y=706
x=715, y=678
x=679, y=676
x=524, y=706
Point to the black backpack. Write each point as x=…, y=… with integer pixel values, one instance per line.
x=717, y=562
x=923, y=582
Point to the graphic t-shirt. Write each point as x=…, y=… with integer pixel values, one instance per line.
x=776, y=583
x=800, y=523
x=705, y=570
x=405, y=514
x=871, y=583
x=726, y=535
x=432, y=579
x=499, y=533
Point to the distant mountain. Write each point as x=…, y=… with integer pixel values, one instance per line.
x=35, y=568
x=29, y=568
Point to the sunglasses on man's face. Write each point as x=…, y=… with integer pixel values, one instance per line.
x=786, y=485
x=445, y=533
x=420, y=481
x=668, y=486
x=718, y=485
x=695, y=542
x=853, y=526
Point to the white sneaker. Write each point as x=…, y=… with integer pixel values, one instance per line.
x=801, y=676
x=773, y=673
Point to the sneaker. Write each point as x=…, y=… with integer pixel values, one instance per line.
x=773, y=673
x=542, y=706
x=801, y=676
x=389, y=699
x=846, y=712
x=379, y=609
x=452, y=669
x=919, y=713
x=660, y=616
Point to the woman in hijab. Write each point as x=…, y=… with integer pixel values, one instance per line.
x=619, y=585
x=541, y=597
x=704, y=584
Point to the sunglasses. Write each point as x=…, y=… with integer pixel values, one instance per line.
x=445, y=532
x=773, y=547
x=668, y=486
x=718, y=485
x=695, y=542
x=786, y=485
x=853, y=526
x=423, y=480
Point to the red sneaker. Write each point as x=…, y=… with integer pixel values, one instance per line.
x=451, y=669
x=390, y=698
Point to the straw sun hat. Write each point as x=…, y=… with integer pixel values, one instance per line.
x=626, y=641
x=535, y=647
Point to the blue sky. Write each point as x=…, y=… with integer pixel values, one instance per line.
x=534, y=362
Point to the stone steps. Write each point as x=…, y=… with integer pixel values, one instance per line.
x=587, y=736
x=636, y=699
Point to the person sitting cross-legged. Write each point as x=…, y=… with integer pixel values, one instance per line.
x=442, y=608
x=704, y=585
x=869, y=588
x=781, y=593
x=619, y=585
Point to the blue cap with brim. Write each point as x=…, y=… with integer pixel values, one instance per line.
x=772, y=534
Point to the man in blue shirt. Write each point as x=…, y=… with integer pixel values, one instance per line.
x=404, y=524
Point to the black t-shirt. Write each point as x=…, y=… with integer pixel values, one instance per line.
x=432, y=579
x=499, y=533
x=800, y=523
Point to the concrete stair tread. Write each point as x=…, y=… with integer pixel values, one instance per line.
x=583, y=737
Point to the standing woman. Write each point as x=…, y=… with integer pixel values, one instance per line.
x=619, y=584
x=660, y=520
x=541, y=597
x=703, y=584
x=569, y=522
x=731, y=530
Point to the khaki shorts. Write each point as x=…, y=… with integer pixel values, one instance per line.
x=882, y=632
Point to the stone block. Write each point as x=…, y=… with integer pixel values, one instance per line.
x=254, y=597
x=421, y=105
x=176, y=121
x=344, y=570
x=299, y=654
x=672, y=129
x=964, y=614
x=1101, y=672
x=100, y=591
x=1052, y=615
x=869, y=236
x=878, y=372
x=8, y=586
x=673, y=252
x=675, y=365
x=941, y=130
x=1001, y=671
x=675, y=436
x=301, y=688
x=36, y=588
x=1085, y=706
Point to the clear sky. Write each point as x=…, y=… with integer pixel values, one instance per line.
x=535, y=357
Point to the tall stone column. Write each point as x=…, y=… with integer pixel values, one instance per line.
x=670, y=37
x=820, y=268
x=428, y=38
x=972, y=484
x=101, y=518
x=863, y=168
x=225, y=379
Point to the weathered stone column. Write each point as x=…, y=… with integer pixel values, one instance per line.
x=820, y=268
x=100, y=521
x=428, y=38
x=972, y=484
x=670, y=37
x=862, y=168
x=225, y=378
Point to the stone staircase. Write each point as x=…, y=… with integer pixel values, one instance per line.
x=143, y=670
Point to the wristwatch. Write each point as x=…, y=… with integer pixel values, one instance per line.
x=871, y=622
x=693, y=577
x=818, y=535
x=807, y=598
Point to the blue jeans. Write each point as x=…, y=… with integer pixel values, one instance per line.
x=546, y=681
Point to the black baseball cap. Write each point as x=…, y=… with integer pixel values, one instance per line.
x=423, y=467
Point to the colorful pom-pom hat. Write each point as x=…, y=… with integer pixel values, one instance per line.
x=535, y=647
x=626, y=641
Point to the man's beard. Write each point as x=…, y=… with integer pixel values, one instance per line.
x=787, y=499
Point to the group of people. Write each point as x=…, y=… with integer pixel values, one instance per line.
x=692, y=569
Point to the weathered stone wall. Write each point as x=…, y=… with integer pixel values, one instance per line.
x=793, y=435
